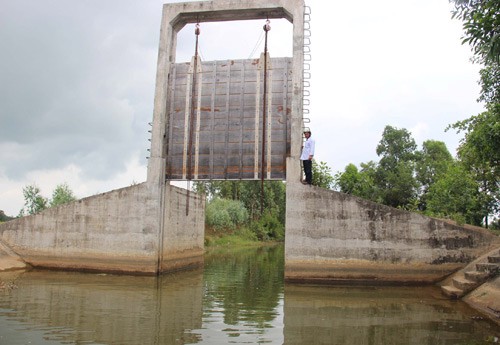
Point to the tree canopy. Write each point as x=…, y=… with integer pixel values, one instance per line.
x=481, y=24
x=35, y=202
x=430, y=180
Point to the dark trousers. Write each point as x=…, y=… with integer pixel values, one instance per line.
x=307, y=164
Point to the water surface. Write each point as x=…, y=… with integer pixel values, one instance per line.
x=238, y=298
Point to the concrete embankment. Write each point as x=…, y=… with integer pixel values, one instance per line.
x=478, y=284
x=337, y=238
x=10, y=260
x=140, y=229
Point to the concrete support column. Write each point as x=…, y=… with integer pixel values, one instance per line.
x=293, y=163
x=166, y=57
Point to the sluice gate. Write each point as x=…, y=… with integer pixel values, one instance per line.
x=221, y=137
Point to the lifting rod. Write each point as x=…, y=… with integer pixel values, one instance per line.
x=192, y=115
x=267, y=28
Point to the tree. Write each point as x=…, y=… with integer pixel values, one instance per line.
x=396, y=145
x=432, y=163
x=322, y=175
x=398, y=185
x=455, y=195
x=224, y=214
x=481, y=24
x=34, y=202
x=348, y=181
x=4, y=217
x=395, y=172
x=479, y=151
x=490, y=86
x=61, y=195
x=248, y=193
x=359, y=182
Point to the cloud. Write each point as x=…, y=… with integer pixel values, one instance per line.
x=72, y=174
x=78, y=86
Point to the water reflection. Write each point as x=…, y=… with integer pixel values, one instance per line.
x=379, y=315
x=239, y=297
x=105, y=309
x=243, y=296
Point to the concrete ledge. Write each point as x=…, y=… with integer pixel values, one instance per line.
x=486, y=299
x=96, y=263
x=9, y=260
x=182, y=260
x=362, y=272
x=8, y=263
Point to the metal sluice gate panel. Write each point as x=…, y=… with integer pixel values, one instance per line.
x=217, y=132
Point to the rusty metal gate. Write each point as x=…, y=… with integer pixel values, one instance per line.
x=214, y=128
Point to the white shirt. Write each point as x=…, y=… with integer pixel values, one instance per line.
x=308, y=149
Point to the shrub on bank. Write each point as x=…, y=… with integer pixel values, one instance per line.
x=268, y=227
x=227, y=221
x=225, y=214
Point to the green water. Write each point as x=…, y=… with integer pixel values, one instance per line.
x=238, y=298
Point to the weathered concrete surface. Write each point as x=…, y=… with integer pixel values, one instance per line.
x=117, y=231
x=333, y=237
x=10, y=260
x=183, y=237
x=486, y=297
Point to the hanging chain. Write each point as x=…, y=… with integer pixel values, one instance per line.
x=267, y=28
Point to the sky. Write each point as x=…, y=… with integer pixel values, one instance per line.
x=77, y=83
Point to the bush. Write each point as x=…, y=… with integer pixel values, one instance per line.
x=224, y=214
x=268, y=227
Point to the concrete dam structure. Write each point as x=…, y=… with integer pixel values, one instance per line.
x=154, y=227
x=137, y=230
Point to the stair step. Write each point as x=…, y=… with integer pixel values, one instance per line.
x=487, y=267
x=464, y=284
x=452, y=291
x=495, y=259
x=477, y=276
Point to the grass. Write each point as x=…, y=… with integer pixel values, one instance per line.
x=241, y=237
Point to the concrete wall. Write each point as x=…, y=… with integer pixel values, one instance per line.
x=10, y=260
x=117, y=231
x=184, y=231
x=338, y=238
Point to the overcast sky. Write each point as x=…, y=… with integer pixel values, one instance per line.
x=77, y=83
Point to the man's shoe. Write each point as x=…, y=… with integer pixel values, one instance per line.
x=304, y=182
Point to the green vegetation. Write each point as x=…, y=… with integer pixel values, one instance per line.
x=466, y=188
x=237, y=213
x=34, y=202
x=233, y=213
x=429, y=180
x=61, y=195
x=4, y=217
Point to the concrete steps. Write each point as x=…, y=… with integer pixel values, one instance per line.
x=463, y=283
x=495, y=259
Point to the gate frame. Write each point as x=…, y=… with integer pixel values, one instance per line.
x=175, y=16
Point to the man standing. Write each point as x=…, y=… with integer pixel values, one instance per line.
x=307, y=156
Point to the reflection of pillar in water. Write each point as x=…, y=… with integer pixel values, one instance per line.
x=108, y=309
x=372, y=315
